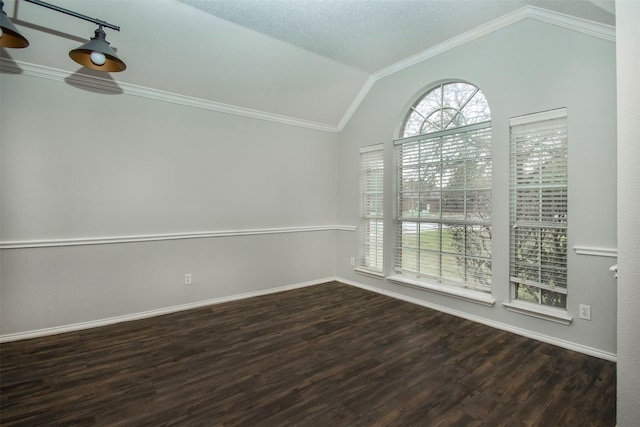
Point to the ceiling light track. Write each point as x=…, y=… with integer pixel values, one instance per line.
x=72, y=13
x=95, y=54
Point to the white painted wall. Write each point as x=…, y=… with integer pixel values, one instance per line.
x=524, y=68
x=80, y=164
x=628, y=69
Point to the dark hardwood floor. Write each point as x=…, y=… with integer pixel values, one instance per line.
x=328, y=355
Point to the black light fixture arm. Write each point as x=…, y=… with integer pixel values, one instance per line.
x=75, y=14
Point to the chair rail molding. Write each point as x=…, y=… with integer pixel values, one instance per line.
x=83, y=241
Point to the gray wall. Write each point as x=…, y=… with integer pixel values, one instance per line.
x=524, y=68
x=79, y=164
x=628, y=67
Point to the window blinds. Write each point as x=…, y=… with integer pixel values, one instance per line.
x=371, y=209
x=443, y=210
x=538, y=208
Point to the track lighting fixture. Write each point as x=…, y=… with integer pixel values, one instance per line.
x=9, y=34
x=95, y=54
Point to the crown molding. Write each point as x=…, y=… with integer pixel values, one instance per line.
x=466, y=37
x=356, y=102
x=108, y=85
x=591, y=28
x=584, y=26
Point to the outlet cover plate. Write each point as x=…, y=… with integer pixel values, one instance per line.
x=585, y=311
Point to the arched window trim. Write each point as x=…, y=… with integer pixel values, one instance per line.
x=468, y=131
x=462, y=109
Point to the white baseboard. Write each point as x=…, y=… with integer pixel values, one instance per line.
x=152, y=313
x=167, y=310
x=498, y=325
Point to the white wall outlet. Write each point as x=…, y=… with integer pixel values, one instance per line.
x=585, y=311
x=352, y=261
x=187, y=279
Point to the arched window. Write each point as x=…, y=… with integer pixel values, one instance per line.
x=443, y=210
x=448, y=106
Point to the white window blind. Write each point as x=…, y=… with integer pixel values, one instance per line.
x=443, y=209
x=371, y=209
x=538, y=208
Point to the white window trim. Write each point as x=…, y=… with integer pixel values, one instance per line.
x=358, y=267
x=538, y=117
x=551, y=314
x=371, y=273
x=469, y=295
x=554, y=314
x=424, y=282
x=370, y=148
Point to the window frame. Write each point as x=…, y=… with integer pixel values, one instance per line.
x=371, y=242
x=438, y=283
x=549, y=179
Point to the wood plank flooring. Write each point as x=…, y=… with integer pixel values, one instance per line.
x=328, y=355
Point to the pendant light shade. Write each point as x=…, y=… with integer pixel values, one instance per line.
x=10, y=36
x=97, y=54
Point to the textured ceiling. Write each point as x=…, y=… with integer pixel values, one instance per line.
x=372, y=34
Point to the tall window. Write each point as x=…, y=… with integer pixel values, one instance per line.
x=371, y=209
x=443, y=209
x=538, y=259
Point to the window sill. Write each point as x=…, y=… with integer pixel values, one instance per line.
x=534, y=310
x=371, y=273
x=451, y=291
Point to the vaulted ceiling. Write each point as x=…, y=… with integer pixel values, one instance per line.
x=307, y=60
x=372, y=34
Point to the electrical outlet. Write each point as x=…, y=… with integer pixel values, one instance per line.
x=352, y=261
x=585, y=312
x=187, y=279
